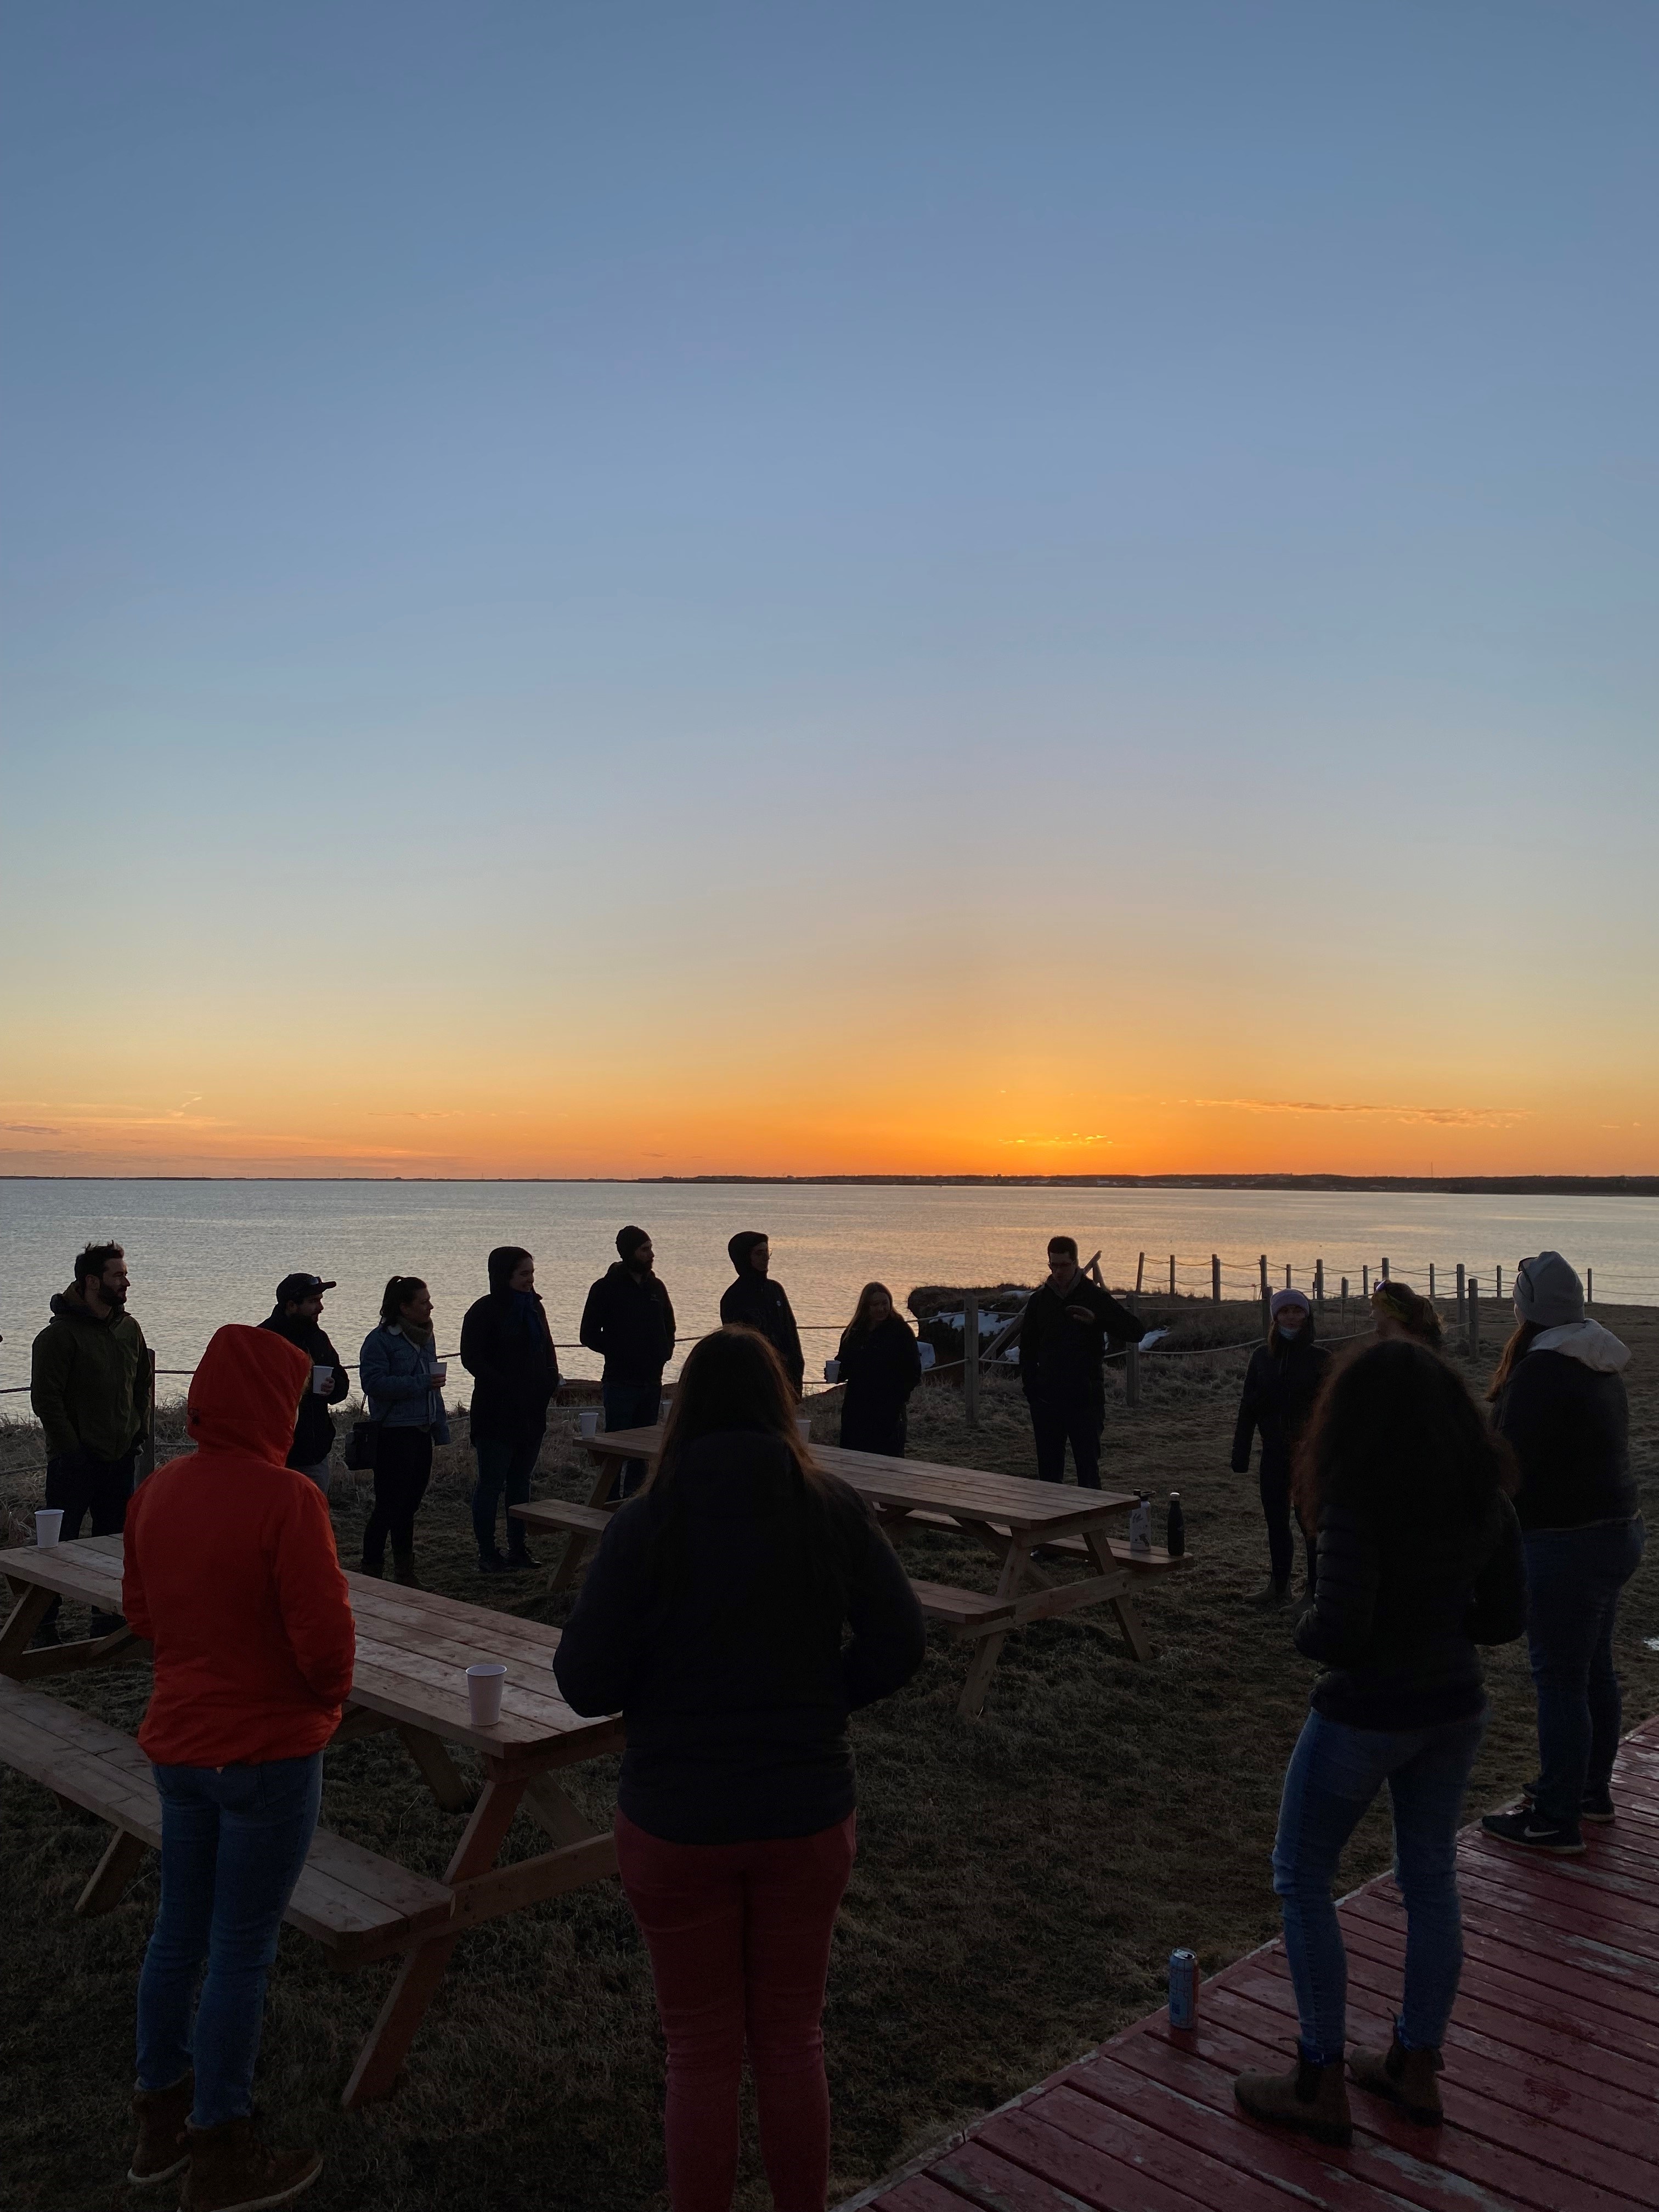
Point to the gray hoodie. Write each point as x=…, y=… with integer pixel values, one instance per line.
x=1565, y=1413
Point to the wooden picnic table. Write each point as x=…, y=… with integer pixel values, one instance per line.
x=1009, y=1514
x=413, y=1648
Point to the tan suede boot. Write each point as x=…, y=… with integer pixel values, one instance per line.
x=1405, y=2077
x=161, y=2114
x=231, y=2171
x=1313, y=2098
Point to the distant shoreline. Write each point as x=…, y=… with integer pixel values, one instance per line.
x=1449, y=1186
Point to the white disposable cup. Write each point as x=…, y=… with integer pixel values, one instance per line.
x=49, y=1526
x=322, y=1381
x=804, y=1425
x=483, y=1692
x=589, y=1420
x=439, y=1372
x=832, y=1370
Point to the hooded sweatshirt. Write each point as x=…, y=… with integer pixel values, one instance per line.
x=507, y=1347
x=89, y=1380
x=231, y=1573
x=755, y=1302
x=1565, y=1415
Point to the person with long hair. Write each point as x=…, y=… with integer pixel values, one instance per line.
x=507, y=1347
x=1280, y=1385
x=879, y=1362
x=1419, y=1561
x=1399, y=1310
x=1559, y=1401
x=399, y=1367
x=713, y=1616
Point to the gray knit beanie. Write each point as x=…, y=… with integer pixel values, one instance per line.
x=1548, y=1291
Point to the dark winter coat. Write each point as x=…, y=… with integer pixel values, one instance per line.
x=880, y=1367
x=314, y=1431
x=1565, y=1415
x=708, y=1623
x=629, y=1322
x=755, y=1300
x=1280, y=1384
x=507, y=1347
x=1062, y=1361
x=1400, y=1609
x=89, y=1380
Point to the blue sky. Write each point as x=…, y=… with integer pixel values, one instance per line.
x=679, y=520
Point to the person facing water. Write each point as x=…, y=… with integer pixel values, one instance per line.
x=1419, y=1561
x=398, y=1365
x=1063, y=1333
x=507, y=1347
x=736, y=1613
x=879, y=1364
x=1280, y=1385
x=629, y=1320
x=1399, y=1310
x=755, y=1300
x=231, y=1576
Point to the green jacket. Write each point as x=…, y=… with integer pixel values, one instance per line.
x=89, y=1380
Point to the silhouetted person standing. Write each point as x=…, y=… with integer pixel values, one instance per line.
x=297, y=1316
x=507, y=1347
x=755, y=1302
x=1062, y=1369
x=880, y=1366
x=629, y=1320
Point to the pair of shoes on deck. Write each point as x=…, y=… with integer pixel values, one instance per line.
x=1595, y=1805
x=517, y=1562
x=226, y=2169
x=1530, y=1831
x=1314, y=2100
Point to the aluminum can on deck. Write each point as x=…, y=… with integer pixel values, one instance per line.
x=1183, y=1988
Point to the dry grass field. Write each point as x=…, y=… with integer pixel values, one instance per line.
x=1021, y=1879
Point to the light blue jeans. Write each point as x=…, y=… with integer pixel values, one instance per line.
x=1333, y=1777
x=234, y=1839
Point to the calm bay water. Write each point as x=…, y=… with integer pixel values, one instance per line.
x=204, y=1252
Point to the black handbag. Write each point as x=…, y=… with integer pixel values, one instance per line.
x=361, y=1446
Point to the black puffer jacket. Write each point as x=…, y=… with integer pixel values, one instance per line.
x=1399, y=1610
x=755, y=1300
x=1064, y=1360
x=1280, y=1384
x=718, y=1635
x=1566, y=1417
x=314, y=1431
x=880, y=1367
x=629, y=1321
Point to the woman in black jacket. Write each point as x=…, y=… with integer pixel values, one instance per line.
x=1560, y=1403
x=1280, y=1384
x=507, y=1347
x=713, y=1616
x=1419, y=1560
x=880, y=1366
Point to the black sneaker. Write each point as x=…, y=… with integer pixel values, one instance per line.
x=1594, y=1804
x=1534, y=1834
x=491, y=1562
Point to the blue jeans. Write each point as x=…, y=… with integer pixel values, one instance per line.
x=1574, y=1576
x=234, y=1839
x=631, y=1406
x=504, y=1463
x=1335, y=1771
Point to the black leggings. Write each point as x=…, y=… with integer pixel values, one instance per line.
x=1281, y=1540
x=403, y=1468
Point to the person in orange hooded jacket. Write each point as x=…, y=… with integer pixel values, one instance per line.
x=231, y=1574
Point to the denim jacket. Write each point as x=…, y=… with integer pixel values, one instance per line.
x=396, y=1383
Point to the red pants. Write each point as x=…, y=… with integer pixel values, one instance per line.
x=739, y=1942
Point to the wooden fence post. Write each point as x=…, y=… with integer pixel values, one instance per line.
x=970, y=1359
x=1215, y=1277
x=1474, y=1319
x=1385, y=1271
x=1365, y=1280
x=1431, y=1282
x=1498, y=1284
x=1345, y=1294
x=1589, y=1285
x=1319, y=1284
x=1141, y=1272
x=1462, y=1296
x=1172, y=1287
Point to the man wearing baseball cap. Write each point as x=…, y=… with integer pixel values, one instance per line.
x=295, y=1316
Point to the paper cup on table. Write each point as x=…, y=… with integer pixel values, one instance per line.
x=49, y=1527
x=322, y=1381
x=483, y=1692
x=588, y=1420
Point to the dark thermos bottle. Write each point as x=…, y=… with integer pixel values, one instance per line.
x=1174, y=1541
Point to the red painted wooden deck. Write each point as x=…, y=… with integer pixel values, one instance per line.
x=1551, y=2081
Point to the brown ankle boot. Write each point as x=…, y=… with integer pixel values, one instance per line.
x=1404, y=2077
x=1311, y=2098
x=161, y=2114
x=231, y=2171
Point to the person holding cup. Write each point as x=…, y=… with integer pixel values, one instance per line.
x=403, y=1380
x=296, y=1315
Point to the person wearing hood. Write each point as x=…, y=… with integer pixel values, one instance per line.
x=507, y=1347
x=231, y=1575
x=89, y=1386
x=296, y=1315
x=1559, y=1401
x=736, y=1614
x=629, y=1320
x=879, y=1362
x=755, y=1302
x=1280, y=1385
x=402, y=1382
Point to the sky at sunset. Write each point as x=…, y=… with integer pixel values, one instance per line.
x=670, y=588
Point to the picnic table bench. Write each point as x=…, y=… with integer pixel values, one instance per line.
x=1010, y=1514
x=413, y=1648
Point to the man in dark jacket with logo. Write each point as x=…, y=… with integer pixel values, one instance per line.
x=1062, y=1354
x=507, y=1347
x=629, y=1320
x=755, y=1302
x=295, y=1316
